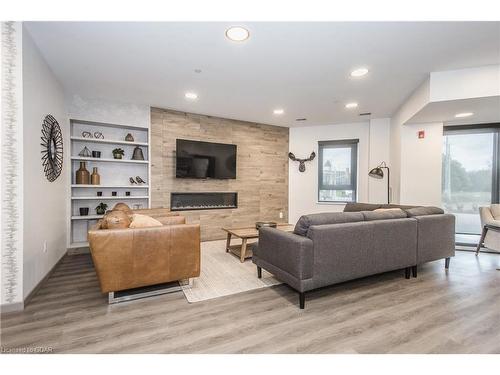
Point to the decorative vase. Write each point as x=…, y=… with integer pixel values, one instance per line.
x=82, y=175
x=95, y=178
x=137, y=155
x=129, y=138
x=84, y=211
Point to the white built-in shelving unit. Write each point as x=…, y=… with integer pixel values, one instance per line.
x=115, y=173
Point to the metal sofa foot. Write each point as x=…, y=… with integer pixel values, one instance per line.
x=447, y=263
x=302, y=300
x=138, y=293
x=414, y=271
x=259, y=272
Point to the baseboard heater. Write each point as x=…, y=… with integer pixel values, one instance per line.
x=203, y=201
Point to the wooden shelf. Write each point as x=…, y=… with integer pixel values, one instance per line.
x=116, y=173
x=110, y=186
x=109, y=198
x=109, y=141
x=88, y=217
x=81, y=158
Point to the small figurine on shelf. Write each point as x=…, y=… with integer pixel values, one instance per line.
x=129, y=138
x=118, y=153
x=139, y=180
x=85, y=152
x=101, y=208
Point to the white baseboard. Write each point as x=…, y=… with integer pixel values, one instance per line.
x=12, y=307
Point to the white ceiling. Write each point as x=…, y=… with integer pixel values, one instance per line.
x=485, y=110
x=300, y=67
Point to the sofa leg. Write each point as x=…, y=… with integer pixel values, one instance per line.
x=407, y=272
x=447, y=263
x=414, y=271
x=259, y=272
x=302, y=299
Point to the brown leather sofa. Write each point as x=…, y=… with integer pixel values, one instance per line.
x=132, y=258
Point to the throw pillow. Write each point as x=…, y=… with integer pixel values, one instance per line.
x=115, y=220
x=144, y=221
x=122, y=207
x=495, y=211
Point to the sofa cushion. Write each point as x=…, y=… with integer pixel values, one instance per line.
x=402, y=206
x=495, y=211
x=384, y=214
x=356, y=207
x=306, y=221
x=423, y=211
x=144, y=221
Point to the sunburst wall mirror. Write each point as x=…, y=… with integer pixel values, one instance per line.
x=52, y=151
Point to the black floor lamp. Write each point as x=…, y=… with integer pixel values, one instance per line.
x=378, y=173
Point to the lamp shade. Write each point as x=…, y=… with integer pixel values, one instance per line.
x=376, y=173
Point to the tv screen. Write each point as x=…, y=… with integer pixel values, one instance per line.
x=195, y=159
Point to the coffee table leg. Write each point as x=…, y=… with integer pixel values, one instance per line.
x=228, y=242
x=243, y=249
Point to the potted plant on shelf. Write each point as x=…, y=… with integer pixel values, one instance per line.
x=101, y=209
x=118, y=153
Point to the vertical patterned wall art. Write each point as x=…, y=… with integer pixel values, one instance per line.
x=11, y=161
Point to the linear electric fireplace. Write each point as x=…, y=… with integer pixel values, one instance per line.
x=203, y=201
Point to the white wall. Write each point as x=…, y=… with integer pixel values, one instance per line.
x=44, y=201
x=303, y=187
x=11, y=160
x=465, y=83
x=380, y=130
x=416, y=101
x=421, y=164
x=107, y=111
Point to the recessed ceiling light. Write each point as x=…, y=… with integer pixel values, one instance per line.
x=351, y=105
x=360, y=72
x=237, y=34
x=191, y=95
x=464, y=114
x=278, y=111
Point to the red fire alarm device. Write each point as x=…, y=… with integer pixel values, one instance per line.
x=421, y=134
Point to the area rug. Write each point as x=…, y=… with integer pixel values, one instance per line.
x=222, y=274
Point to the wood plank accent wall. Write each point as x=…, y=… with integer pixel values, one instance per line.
x=261, y=176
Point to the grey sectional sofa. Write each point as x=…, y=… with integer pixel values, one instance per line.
x=330, y=248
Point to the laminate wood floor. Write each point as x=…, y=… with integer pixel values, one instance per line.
x=438, y=312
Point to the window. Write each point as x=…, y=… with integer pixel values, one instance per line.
x=337, y=170
x=471, y=159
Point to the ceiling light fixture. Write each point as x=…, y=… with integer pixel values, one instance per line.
x=191, y=95
x=464, y=114
x=278, y=111
x=351, y=105
x=237, y=34
x=360, y=72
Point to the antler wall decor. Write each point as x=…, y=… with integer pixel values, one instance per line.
x=302, y=162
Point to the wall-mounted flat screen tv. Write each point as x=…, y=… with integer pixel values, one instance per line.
x=195, y=159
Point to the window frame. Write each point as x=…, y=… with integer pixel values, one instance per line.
x=493, y=128
x=344, y=143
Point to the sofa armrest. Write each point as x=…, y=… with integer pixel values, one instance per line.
x=288, y=251
x=436, y=237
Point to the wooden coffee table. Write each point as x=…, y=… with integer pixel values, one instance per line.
x=246, y=234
